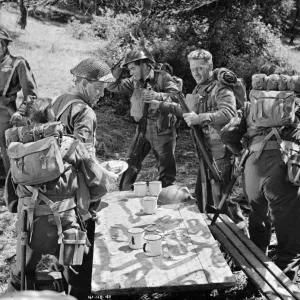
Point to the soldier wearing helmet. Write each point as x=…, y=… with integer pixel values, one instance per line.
x=74, y=108
x=147, y=83
x=15, y=75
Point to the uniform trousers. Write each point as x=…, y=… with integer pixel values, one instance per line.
x=163, y=147
x=271, y=195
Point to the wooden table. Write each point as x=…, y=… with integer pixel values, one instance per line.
x=191, y=258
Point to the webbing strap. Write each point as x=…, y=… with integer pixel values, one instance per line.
x=263, y=143
x=53, y=206
x=30, y=210
x=16, y=63
x=75, y=242
x=67, y=105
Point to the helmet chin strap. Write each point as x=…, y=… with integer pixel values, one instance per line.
x=81, y=88
x=142, y=71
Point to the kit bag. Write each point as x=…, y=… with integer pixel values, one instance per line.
x=35, y=163
x=272, y=108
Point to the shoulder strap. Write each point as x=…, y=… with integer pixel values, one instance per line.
x=62, y=110
x=16, y=63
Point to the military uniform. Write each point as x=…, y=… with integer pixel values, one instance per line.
x=161, y=133
x=216, y=101
x=44, y=229
x=79, y=118
x=74, y=109
x=270, y=194
x=22, y=79
x=272, y=197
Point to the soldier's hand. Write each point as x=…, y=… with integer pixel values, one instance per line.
x=154, y=103
x=151, y=95
x=117, y=72
x=112, y=177
x=192, y=118
x=15, y=118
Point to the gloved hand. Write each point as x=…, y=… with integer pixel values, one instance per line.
x=15, y=118
x=192, y=118
x=117, y=72
x=151, y=95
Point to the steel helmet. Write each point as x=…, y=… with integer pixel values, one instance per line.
x=4, y=35
x=135, y=55
x=93, y=69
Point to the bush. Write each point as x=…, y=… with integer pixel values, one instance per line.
x=80, y=30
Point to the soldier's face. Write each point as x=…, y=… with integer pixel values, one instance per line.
x=201, y=70
x=95, y=90
x=138, y=72
x=3, y=47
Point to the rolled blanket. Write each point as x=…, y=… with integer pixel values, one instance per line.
x=283, y=82
x=272, y=84
x=259, y=81
x=294, y=83
x=32, y=133
x=225, y=76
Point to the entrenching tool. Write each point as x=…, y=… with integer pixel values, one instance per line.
x=228, y=190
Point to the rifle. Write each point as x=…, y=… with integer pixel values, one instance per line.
x=234, y=177
x=200, y=143
x=133, y=155
x=24, y=242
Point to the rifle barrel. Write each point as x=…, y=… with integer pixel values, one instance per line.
x=199, y=136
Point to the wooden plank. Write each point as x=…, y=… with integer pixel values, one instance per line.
x=254, y=262
x=258, y=281
x=210, y=258
x=119, y=269
x=265, y=260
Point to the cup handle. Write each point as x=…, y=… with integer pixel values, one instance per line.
x=132, y=240
x=144, y=247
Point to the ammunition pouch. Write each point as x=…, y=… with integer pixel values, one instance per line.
x=291, y=155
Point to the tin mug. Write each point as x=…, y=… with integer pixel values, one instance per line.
x=153, y=245
x=150, y=205
x=155, y=188
x=136, y=238
x=140, y=188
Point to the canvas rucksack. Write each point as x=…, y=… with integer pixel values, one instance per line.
x=272, y=108
x=273, y=100
x=36, y=162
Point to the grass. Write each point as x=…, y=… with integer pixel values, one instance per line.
x=51, y=53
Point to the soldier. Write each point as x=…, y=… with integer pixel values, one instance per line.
x=212, y=106
x=15, y=75
x=74, y=108
x=269, y=174
x=146, y=83
x=49, y=224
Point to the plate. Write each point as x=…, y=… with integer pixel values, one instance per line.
x=116, y=166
